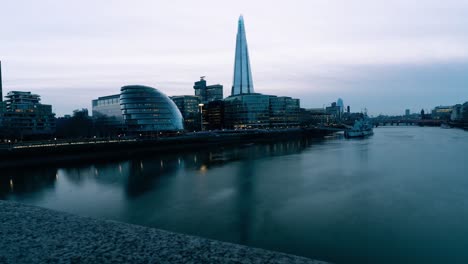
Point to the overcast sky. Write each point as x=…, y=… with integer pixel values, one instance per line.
x=382, y=55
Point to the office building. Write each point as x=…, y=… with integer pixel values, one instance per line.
x=340, y=104
x=247, y=111
x=314, y=116
x=188, y=106
x=214, y=115
x=245, y=108
x=407, y=112
x=242, y=83
x=208, y=93
x=22, y=115
x=284, y=111
x=442, y=112
x=459, y=113
x=107, y=109
x=147, y=110
x=334, y=110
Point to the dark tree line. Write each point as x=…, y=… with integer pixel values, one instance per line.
x=81, y=125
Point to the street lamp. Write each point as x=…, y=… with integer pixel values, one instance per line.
x=201, y=116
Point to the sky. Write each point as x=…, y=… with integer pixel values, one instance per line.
x=383, y=56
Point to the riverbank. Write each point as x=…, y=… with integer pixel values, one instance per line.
x=35, y=235
x=69, y=151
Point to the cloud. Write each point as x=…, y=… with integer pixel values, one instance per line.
x=313, y=49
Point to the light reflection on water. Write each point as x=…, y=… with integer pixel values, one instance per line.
x=397, y=197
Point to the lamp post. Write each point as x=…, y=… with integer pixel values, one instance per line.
x=201, y=116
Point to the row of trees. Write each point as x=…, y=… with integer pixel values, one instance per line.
x=81, y=125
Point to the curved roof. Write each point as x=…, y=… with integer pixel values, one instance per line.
x=146, y=108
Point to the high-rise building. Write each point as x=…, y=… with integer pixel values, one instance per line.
x=340, y=103
x=334, y=110
x=189, y=108
x=242, y=83
x=208, y=93
x=407, y=112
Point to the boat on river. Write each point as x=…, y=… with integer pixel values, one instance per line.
x=362, y=128
x=445, y=126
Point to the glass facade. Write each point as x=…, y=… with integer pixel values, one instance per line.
x=214, y=115
x=107, y=108
x=247, y=111
x=284, y=111
x=189, y=108
x=340, y=103
x=242, y=83
x=208, y=93
x=146, y=109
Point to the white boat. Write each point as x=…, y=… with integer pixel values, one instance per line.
x=362, y=128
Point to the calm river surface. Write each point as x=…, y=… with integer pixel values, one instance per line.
x=400, y=196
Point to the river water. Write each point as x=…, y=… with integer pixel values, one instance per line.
x=400, y=196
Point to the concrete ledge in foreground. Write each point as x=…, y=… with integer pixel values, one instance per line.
x=31, y=234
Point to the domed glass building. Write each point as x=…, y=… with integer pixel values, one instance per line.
x=146, y=109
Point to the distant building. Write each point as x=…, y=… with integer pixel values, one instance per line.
x=313, y=116
x=147, y=110
x=214, y=115
x=247, y=111
x=107, y=109
x=22, y=115
x=465, y=112
x=459, y=113
x=334, y=110
x=407, y=112
x=284, y=111
x=340, y=104
x=208, y=93
x=188, y=106
x=442, y=112
x=83, y=112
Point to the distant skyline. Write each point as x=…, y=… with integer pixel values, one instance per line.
x=386, y=56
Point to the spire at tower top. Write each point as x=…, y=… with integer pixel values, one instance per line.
x=242, y=81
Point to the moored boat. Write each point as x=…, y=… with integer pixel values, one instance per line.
x=362, y=128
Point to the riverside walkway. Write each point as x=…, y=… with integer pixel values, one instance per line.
x=30, y=234
x=13, y=154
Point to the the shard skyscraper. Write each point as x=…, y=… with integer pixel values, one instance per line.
x=242, y=83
